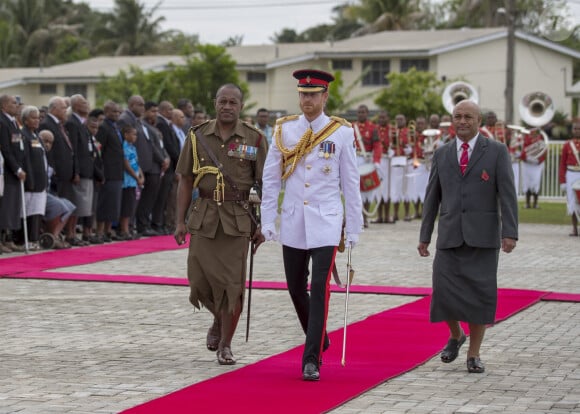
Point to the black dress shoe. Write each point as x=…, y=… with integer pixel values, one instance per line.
x=310, y=372
x=149, y=233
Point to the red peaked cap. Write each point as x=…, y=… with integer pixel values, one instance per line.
x=312, y=80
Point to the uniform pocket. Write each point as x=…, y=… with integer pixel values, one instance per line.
x=197, y=215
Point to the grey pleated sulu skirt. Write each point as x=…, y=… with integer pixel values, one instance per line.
x=465, y=285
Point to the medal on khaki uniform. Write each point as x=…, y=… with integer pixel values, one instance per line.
x=243, y=152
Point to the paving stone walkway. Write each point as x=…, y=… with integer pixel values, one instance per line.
x=82, y=347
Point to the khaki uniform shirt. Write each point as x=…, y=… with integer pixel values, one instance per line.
x=206, y=214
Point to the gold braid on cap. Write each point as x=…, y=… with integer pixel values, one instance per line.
x=199, y=172
x=308, y=141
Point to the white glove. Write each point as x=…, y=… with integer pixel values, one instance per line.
x=533, y=161
x=377, y=164
x=563, y=187
x=391, y=153
x=351, y=239
x=269, y=232
x=407, y=150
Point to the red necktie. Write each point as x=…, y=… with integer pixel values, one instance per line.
x=464, y=157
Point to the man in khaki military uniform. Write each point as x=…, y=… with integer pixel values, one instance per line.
x=219, y=223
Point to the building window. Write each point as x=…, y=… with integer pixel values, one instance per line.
x=75, y=88
x=376, y=72
x=256, y=77
x=419, y=65
x=341, y=64
x=48, y=89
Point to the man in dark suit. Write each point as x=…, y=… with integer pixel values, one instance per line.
x=148, y=162
x=14, y=152
x=171, y=145
x=64, y=159
x=84, y=152
x=471, y=187
x=111, y=140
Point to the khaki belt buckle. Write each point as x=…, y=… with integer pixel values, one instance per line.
x=217, y=196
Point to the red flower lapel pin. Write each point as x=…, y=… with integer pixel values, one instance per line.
x=484, y=175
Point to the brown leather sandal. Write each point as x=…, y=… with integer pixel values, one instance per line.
x=225, y=356
x=213, y=338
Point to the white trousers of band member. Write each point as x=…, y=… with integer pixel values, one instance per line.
x=516, y=170
x=368, y=196
x=385, y=177
x=572, y=204
x=410, y=183
x=421, y=180
x=532, y=177
x=397, y=183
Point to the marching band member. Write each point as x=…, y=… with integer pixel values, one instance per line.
x=314, y=155
x=365, y=134
x=532, y=166
x=402, y=151
x=515, y=142
x=488, y=129
x=446, y=128
x=420, y=173
x=381, y=157
x=569, y=173
x=434, y=121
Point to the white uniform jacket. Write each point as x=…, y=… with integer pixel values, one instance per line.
x=312, y=210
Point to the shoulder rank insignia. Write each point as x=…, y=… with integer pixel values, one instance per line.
x=284, y=119
x=342, y=121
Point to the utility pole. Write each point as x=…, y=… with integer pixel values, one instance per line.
x=511, y=43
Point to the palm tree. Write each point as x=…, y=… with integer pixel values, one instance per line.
x=381, y=15
x=131, y=29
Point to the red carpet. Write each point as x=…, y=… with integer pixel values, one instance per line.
x=379, y=348
x=85, y=255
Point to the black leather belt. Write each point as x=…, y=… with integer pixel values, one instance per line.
x=228, y=195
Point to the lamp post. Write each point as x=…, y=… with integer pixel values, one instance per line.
x=509, y=12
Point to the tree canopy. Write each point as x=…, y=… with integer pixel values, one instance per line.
x=204, y=72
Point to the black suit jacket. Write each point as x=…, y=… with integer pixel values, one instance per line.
x=14, y=150
x=143, y=144
x=62, y=154
x=159, y=152
x=84, y=151
x=111, y=151
x=170, y=141
x=36, y=177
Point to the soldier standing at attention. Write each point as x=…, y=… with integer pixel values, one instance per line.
x=219, y=222
x=314, y=155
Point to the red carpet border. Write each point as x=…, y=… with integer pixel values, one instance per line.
x=84, y=255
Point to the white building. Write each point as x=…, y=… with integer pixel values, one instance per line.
x=478, y=56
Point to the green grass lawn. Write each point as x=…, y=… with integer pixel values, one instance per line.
x=548, y=213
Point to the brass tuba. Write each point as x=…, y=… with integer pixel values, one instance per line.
x=537, y=109
x=456, y=92
x=432, y=137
